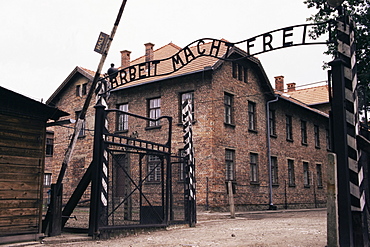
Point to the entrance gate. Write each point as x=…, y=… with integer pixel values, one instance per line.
x=132, y=185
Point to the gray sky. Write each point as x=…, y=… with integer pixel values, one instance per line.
x=42, y=41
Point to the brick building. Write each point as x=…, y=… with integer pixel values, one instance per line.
x=234, y=105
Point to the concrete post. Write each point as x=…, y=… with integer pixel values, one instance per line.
x=231, y=199
x=332, y=207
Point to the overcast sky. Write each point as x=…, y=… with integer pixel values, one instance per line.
x=42, y=41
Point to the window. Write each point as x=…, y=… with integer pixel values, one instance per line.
x=187, y=96
x=154, y=168
x=82, y=131
x=228, y=102
x=84, y=89
x=272, y=122
x=239, y=72
x=328, y=139
x=47, y=179
x=78, y=90
x=319, y=175
x=254, y=167
x=154, y=111
x=289, y=128
x=122, y=124
x=252, y=116
x=317, y=136
x=274, y=170
x=49, y=146
x=291, y=175
x=304, y=132
x=230, y=165
x=306, y=175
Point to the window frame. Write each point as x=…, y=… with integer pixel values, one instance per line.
x=254, y=170
x=122, y=119
x=252, y=116
x=304, y=132
x=291, y=173
x=230, y=164
x=319, y=175
x=47, y=179
x=289, y=127
x=228, y=106
x=316, y=130
x=156, y=165
x=156, y=109
x=84, y=89
x=49, y=147
x=306, y=174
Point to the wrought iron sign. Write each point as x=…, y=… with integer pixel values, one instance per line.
x=280, y=38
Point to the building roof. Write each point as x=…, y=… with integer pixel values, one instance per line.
x=16, y=104
x=295, y=101
x=89, y=74
x=312, y=95
x=200, y=64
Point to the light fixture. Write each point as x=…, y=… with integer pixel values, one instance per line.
x=335, y=3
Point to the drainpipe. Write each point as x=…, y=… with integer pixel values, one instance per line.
x=271, y=205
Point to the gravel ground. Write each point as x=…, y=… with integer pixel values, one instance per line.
x=268, y=228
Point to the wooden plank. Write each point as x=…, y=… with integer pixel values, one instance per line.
x=19, y=185
x=18, y=229
x=19, y=160
x=25, y=177
x=16, y=212
x=9, y=204
x=21, y=169
x=11, y=151
x=18, y=195
x=30, y=220
x=18, y=123
x=30, y=141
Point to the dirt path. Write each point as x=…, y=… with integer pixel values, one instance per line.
x=269, y=228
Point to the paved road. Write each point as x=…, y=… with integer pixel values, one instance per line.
x=298, y=228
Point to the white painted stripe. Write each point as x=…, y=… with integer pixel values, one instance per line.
x=342, y=27
x=352, y=164
x=354, y=190
x=344, y=49
x=104, y=200
x=348, y=73
x=362, y=201
x=350, y=118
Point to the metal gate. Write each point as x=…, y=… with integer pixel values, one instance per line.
x=132, y=181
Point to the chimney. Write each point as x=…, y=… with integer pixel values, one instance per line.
x=149, y=56
x=291, y=87
x=279, y=83
x=125, y=58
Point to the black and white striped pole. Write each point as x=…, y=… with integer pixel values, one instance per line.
x=99, y=180
x=345, y=128
x=190, y=188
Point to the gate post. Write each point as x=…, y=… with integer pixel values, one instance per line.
x=351, y=200
x=190, y=204
x=97, y=201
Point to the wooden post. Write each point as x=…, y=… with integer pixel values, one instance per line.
x=231, y=199
x=332, y=207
